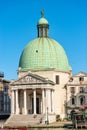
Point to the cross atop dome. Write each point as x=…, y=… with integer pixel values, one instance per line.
x=42, y=13
x=42, y=26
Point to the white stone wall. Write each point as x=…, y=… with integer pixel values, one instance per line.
x=59, y=93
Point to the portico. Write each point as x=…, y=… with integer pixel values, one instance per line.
x=32, y=98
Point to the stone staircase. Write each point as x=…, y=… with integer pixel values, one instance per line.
x=24, y=120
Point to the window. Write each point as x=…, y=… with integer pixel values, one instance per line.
x=57, y=79
x=5, y=89
x=44, y=32
x=81, y=78
x=73, y=101
x=36, y=51
x=71, y=79
x=82, y=100
x=81, y=90
x=72, y=90
x=1, y=102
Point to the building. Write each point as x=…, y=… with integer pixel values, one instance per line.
x=43, y=72
x=77, y=93
x=5, y=106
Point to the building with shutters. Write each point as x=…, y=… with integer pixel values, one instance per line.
x=77, y=93
x=5, y=101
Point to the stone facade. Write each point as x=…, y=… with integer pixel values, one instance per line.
x=40, y=93
x=5, y=106
x=77, y=93
x=43, y=72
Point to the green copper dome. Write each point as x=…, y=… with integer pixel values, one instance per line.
x=43, y=53
x=42, y=21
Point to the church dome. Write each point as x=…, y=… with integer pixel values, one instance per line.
x=43, y=53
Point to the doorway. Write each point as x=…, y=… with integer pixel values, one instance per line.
x=37, y=105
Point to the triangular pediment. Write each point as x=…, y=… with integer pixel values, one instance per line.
x=31, y=79
x=80, y=74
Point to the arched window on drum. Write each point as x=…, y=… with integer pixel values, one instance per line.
x=82, y=100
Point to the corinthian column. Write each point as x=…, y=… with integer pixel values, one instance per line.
x=52, y=101
x=25, y=102
x=43, y=105
x=12, y=102
x=17, y=104
x=49, y=101
x=34, y=97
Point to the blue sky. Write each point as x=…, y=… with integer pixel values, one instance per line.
x=68, y=26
